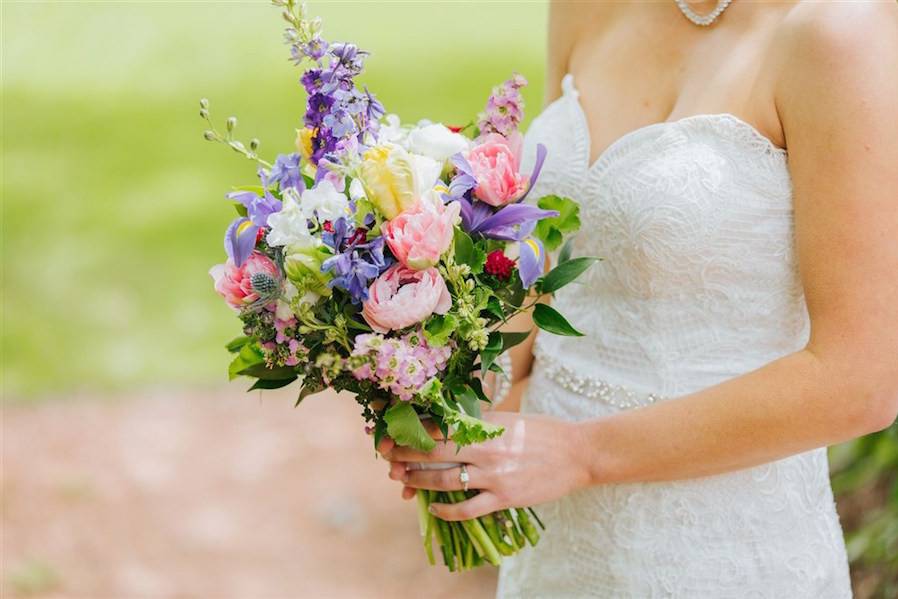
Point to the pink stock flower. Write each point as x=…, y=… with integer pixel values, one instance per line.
x=418, y=237
x=234, y=283
x=401, y=297
x=495, y=163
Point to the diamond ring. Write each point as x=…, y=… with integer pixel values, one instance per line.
x=463, y=477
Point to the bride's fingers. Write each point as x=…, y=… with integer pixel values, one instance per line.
x=397, y=470
x=448, y=479
x=408, y=492
x=385, y=445
x=479, y=505
x=445, y=451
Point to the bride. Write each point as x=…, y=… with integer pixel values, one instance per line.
x=737, y=174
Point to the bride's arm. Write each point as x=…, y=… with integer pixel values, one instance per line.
x=837, y=103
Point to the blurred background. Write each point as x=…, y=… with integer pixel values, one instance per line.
x=130, y=467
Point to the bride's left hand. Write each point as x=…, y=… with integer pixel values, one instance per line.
x=537, y=459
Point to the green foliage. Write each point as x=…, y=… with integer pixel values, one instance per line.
x=566, y=272
x=865, y=481
x=549, y=319
x=439, y=328
x=468, y=252
x=404, y=426
x=551, y=230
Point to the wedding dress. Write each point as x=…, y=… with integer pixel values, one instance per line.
x=698, y=284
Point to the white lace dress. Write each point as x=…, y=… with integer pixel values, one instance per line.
x=698, y=284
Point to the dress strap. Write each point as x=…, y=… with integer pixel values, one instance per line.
x=567, y=86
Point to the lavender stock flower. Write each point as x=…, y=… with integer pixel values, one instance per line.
x=286, y=172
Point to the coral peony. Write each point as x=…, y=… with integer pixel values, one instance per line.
x=234, y=283
x=418, y=237
x=495, y=164
x=401, y=297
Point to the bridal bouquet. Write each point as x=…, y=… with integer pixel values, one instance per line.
x=383, y=260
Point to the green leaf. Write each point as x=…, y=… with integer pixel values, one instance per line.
x=549, y=319
x=564, y=273
x=494, y=307
x=275, y=384
x=240, y=208
x=566, y=250
x=261, y=371
x=439, y=328
x=467, y=252
x=550, y=230
x=235, y=344
x=248, y=357
x=380, y=429
x=492, y=350
x=509, y=340
x=469, y=429
x=469, y=401
x=404, y=426
x=308, y=389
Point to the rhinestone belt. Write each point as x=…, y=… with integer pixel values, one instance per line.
x=591, y=387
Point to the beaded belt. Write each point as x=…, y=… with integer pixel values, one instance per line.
x=591, y=387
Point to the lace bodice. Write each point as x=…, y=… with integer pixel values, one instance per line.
x=698, y=284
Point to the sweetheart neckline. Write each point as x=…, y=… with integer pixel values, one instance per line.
x=569, y=88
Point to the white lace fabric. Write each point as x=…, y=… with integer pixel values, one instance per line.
x=698, y=284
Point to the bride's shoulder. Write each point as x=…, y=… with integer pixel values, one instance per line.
x=843, y=47
x=835, y=31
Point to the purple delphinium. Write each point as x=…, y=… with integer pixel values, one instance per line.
x=337, y=111
x=285, y=172
x=356, y=262
x=504, y=109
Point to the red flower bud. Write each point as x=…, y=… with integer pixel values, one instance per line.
x=499, y=265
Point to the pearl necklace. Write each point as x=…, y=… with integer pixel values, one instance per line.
x=702, y=20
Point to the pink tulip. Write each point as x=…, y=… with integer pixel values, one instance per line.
x=495, y=163
x=418, y=237
x=234, y=283
x=401, y=297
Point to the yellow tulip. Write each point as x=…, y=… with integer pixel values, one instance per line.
x=388, y=176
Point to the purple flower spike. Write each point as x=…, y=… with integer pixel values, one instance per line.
x=240, y=240
x=537, y=167
x=286, y=172
x=511, y=223
x=531, y=260
x=258, y=208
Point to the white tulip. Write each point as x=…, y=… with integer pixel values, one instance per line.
x=436, y=141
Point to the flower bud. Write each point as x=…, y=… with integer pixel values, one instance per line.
x=232, y=122
x=204, y=113
x=209, y=135
x=204, y=103
x=254, y=144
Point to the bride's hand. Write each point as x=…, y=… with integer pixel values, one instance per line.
x=537, y=459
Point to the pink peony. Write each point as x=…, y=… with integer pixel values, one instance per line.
x=401, y=297
x=234, y=283
x=495, y=163
x=418, y=237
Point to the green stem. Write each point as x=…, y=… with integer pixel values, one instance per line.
x=478, y=535
x=527, y=526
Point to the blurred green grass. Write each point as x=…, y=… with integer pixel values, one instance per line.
x=113, y=206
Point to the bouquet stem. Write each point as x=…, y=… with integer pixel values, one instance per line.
x=468, y=543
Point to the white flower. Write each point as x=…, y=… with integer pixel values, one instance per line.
x=291, y=225
x=391, y=130
x=325, y=202
x=357, y=190
x=436, y=141
x=425, y=172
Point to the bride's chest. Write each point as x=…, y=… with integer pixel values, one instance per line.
x=667, y=203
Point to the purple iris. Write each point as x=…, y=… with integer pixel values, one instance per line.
x=357, y=261
x=240, y=240
x=531, y=259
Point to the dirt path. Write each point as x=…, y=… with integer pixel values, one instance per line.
x=208, y=496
